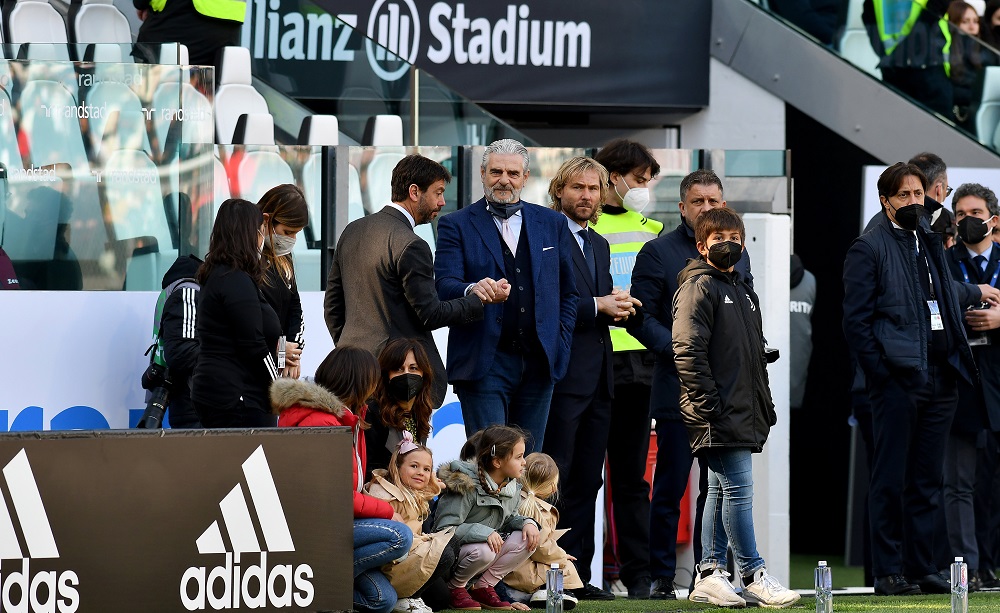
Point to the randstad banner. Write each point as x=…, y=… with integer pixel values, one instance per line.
x=587, y=53
x=172, y=521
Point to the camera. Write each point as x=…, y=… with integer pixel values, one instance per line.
x=156, y=379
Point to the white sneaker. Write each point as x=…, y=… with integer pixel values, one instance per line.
x=411, y=605
x=540, y=597
x=765, y=591
x=716, y=589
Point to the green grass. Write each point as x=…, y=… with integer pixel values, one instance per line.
x=801, y=568
x=981, y=602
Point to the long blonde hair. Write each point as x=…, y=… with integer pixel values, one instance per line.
x=418, y=502
x=540, y=473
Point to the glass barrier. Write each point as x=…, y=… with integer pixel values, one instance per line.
x=963, y=62
x=96, y=155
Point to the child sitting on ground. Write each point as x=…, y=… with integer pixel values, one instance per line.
x=481, y=504
x=408, y=486
x=718, y=345
x=539, y=483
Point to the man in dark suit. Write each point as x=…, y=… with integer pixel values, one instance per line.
x=975, y=260
x=505, y=366
x=580, y=416
x=381, y=283
x=654, y=282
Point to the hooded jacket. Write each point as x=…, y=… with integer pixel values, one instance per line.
x=301, y=403
x=471, y=509
x=718, y=348
x=178, y=322
x=530, y=576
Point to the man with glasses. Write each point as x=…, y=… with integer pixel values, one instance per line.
x=903, y=324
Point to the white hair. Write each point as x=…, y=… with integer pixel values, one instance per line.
x=505, y=146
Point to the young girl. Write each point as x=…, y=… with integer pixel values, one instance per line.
x=408, y=486
x=403, y=402
x=541, y=481
x=344, y=380
x=481, y=504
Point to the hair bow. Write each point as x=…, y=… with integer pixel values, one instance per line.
x=406, y=444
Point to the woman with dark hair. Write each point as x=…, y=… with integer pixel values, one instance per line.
x=989, y=25
x=344, y=382
x=968, y=57
x=403, y=402
x=285, y=214
x=237, y=329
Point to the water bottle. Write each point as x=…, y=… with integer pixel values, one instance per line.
x=554, y=590
x=824, y=588
x=959, y=587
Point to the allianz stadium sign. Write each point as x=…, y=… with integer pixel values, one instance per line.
x=644, y=54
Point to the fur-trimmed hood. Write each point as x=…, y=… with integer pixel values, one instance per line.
x=459, y=477
x=288, y=393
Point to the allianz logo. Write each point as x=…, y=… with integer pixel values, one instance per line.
x=21, y=590
x=245, y=578
x=395, y=25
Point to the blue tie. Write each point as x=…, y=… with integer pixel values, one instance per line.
x=980, y=261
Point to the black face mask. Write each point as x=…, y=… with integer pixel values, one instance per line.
x=908, y=217
x=725, y=254
x=403, y=388
x=972, y=230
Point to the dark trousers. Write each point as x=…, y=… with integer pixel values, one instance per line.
x=673, y=466
x=910, y=424
x=985, y=502
x=628, y=450
x=577, y=439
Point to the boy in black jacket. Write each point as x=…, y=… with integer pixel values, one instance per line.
x=726, y=406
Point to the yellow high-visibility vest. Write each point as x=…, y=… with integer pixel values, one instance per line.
x=626, y=233
x=890, y=32
x=233, y=10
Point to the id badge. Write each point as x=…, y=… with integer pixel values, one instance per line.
x=281, y=352
x=979, y=341
x=937, y=323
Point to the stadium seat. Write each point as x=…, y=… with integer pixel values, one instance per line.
x=235, y=94
x=34, y=21
x=988, y=115
x=100, y=22
x=855, y=46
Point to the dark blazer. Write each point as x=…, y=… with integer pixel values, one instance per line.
x=590, y=360
x=381, y=287
x=654, y=283
x=978, y=405
x=468, y=249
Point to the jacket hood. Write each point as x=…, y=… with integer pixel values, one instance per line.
x=797, y=270
x=699, y=267
x=542, y=503
x=288, y=393
x=182, y=267
x=459, y=476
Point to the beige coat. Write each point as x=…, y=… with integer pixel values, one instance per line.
x=530, y=576
x=411, y=573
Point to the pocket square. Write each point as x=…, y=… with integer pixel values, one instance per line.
x=547, y=248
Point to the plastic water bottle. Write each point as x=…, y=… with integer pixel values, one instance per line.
x=959, y=586
x=554, y=590
x=824, y=588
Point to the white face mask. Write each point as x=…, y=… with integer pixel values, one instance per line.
x=282, y=245
x=635, y=199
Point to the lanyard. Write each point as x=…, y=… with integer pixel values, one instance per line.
x=965, y=273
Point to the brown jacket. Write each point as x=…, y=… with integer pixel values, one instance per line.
x=530, y=576
x=409, y=574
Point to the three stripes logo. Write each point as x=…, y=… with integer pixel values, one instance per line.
x=233, y=585
x=396, y=31
x=23, y=591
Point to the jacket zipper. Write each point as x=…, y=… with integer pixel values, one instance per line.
x=755, y=379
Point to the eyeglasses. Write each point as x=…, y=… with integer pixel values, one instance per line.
x=947, y=190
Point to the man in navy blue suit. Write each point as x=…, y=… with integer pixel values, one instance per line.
x=580, y=417
x=505, y=366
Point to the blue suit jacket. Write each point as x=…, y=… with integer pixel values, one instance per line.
x=468, y=249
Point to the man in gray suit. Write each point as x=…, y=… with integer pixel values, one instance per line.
x=381, y=283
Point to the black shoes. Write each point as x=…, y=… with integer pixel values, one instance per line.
x=934, y=583
x=591, y=592
x=640, y=589
x=988, y=580
x=895, y=585
x=663, y=589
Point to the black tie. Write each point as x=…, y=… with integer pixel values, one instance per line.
x=588, y=254
x=980, y=261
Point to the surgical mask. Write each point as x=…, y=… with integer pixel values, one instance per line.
x=282, y=245
x=635, y=199
x=403, y=388
x=725, y=254
x=973, y=230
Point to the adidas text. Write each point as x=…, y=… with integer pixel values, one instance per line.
x=45, y=592
x=256, y=587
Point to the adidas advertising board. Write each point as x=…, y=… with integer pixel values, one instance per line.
x=584, y=53
x=221, y=521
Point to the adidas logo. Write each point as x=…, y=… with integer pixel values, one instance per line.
x=727, y=300
x=231, y=586
x=750, y=302
x=44, y=591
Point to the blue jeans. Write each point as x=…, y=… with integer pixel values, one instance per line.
x=377, y=542
x=516, y=391
x=729, y=510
